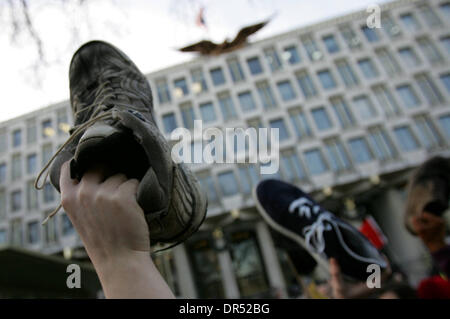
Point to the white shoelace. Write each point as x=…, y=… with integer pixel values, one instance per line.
x=313, y=233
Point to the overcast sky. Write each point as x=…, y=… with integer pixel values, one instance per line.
x=146, y=30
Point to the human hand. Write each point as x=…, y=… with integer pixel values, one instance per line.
x=431, y=229
x=114, y=232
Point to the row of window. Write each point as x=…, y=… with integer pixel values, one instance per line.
x=292, y=56
x=31, y=164
x=376, y=145
x=33, y=232
x=16, y=198
x=47, y=130
x=363, y=105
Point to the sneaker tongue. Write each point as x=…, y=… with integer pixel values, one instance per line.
x=112, y=147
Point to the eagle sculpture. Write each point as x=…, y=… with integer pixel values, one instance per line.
x=206, y=47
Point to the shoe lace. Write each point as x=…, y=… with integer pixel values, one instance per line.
x=313, y=233
x=104, y=99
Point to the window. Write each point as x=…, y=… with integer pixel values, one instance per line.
x=405, y=139
x=331, y=43
x=388, y=62
x=235, y=70
x=286, y=90
x=62, y=121
x=206, y=268
x=3, y=141
x=430, y=17
x=2, y=205
x=273, y=59
x=254, y=65
x=266, y=95
x=326, y=79
x=32, y=196
x=217, y=76
x=291, y=166
x=298, y=120
x=47, y=129
x=306, y=84
x=248, y=265
x=346, y=73
x=360, y=150
x=429, y=89
x=207, y=112
x=16, y=233
x=391, y=28
x=33, y=232
x=408, y=96
x=228, y=183
x=370, y=34
x=368, y=68
x=445, y=78
x=50, y=230
x=46, y=153
x=430, y=51
x=445, y=41
x=169, y=122
x=3, y=237
x=181, y=87
x=444, y=122
x=445, y=9
x=281, y=126
x=248, y=176
x=16, y=164
x=198, y=81
x=321, y=119
x=16, y=138
x=315, y=162
x=311, y=48
x=342, y=112
x=188, y=115
x=49, y=193
x=386, y=101
x=291, y=55
x=246, y=101
x=350, y=37
x=16, y=200
x=381, y=144
x=409, y=57
x=337, y=155
x=163, y=91
x=410, y=22
x=428, y=135
x=31, y=163
x=227, y=106
x=67, y=226
x=209, y=187
x=2, y=173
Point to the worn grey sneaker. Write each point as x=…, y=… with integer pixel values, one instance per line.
x=114, y=126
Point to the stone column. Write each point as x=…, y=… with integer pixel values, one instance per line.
x=270, y=258
x=185, y=278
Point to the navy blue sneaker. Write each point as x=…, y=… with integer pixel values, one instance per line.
x=288, y=210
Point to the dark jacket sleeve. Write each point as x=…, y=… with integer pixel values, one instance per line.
x=442, y=259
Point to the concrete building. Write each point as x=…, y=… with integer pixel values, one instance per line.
x=357, y=109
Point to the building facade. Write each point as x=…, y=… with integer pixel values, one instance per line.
x=356, y=108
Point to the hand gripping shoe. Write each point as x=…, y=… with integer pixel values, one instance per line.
x=288, y=210
x=115, y=126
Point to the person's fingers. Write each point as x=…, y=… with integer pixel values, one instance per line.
x=67, y=185
x=111, y=184
x=334, y=267
x=93, y=176
x=130, y=187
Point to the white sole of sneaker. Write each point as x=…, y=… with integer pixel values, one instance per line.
x=290, y=234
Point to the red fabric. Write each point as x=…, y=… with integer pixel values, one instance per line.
x=434, y=287
x=370, y=229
